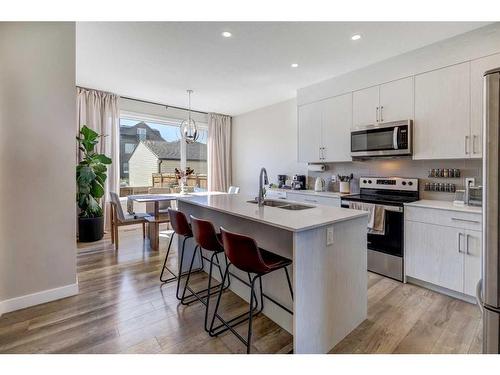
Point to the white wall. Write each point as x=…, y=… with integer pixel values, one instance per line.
x=464, y=47
x=266, y=137
x=37, y=163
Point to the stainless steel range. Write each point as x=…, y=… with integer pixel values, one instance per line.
x=385, y=248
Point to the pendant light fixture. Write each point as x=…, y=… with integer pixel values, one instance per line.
x=188, y=129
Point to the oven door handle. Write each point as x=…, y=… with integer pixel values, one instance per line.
x=387, y=208
x=395, y=137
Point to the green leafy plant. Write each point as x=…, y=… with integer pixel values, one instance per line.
x=90, y=174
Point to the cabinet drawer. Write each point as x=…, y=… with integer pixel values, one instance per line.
x=312, y=199
x=462, y=220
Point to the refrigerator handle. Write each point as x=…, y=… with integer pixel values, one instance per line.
x=479, y=292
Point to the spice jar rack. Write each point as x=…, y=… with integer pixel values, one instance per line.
x=440, y=187
x=444, y=173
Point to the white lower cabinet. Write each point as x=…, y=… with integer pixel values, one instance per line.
x=446, y=256
x=313, y=199
x=432, y=254
x=472, y=257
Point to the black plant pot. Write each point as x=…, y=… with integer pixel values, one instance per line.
x=90, y=229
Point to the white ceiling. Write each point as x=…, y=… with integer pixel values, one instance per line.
x=158, y=61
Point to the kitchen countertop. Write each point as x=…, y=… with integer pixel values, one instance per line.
x=294, y=221
x=444, y=205
x=328, y=194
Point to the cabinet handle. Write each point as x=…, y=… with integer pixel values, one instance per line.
x=310, y=200
x=459, y=249
x=382, y=113
x=324, y=157
x=474, y=137
x=466, y=145
x=466, y=220
x=467, y=243
x=376, y=114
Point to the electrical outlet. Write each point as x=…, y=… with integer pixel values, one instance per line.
x=329, y=236
x=334, y=178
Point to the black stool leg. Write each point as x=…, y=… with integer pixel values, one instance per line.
x=250, y=313
x=180, y=268
x=289, y=282
x=165, y=264
x=189, y=273
x=218, y=301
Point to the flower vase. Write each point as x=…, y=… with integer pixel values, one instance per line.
x=183, y=185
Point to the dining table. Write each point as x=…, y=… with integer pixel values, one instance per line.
x=158, y=216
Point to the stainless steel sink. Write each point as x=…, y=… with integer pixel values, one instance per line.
x=284, y=205
x=295, y=207
x=270, y=203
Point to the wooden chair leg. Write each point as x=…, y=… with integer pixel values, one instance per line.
x=112, y=220
x=116, y=236
x=143, y=230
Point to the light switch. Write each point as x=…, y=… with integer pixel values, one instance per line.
x=329, y=236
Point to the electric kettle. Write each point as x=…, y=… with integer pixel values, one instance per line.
x=319, y=185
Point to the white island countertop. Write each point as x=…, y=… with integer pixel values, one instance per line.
x=444, y=205
x=292, y=220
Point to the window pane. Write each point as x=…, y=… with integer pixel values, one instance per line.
x=147, y=148
x=196, y=159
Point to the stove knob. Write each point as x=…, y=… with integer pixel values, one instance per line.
x=369, y=181
x=364, y=181
x=403, y=183
x=410, y=183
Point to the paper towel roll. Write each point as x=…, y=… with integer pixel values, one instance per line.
x=316, y=167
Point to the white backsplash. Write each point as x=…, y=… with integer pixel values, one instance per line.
x=401, y=167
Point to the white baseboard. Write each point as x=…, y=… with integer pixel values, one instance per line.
x=440, y=289
x=38, y=298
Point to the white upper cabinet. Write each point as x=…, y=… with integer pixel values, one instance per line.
x=391, y=101
x=309, y=132
x=365, y=106
x=336, y=128
x=477, y=69
x=324, y=130
x=442, y=113
x=396, y=100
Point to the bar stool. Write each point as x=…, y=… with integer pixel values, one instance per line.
x=181, y=227
x=208, y=239
x=244, y=254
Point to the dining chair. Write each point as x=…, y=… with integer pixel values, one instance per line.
x=233, y=190
x=118, y=218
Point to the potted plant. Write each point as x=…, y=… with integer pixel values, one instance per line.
x=90, y=178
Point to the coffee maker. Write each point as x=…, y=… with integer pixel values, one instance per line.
x=281, y=180
x=299, y=182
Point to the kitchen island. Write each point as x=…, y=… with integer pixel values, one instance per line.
x=328, y=249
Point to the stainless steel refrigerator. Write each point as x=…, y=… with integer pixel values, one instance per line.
x=488, y=292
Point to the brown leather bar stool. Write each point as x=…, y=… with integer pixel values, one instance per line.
x=207, y=239
x=181, y=227
x=244, y=254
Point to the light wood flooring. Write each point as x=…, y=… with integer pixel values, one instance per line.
x=122, y=308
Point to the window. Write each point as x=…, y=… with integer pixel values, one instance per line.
x=129, y=148
x=141, y=134
x=150, y=150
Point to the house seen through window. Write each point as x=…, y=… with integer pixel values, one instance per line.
x=151, y=150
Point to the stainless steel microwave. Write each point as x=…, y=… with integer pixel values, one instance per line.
x=387, y=139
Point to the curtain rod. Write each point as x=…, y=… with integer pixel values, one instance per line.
x=148, y=102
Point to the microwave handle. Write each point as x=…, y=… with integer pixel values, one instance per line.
x=395, y=137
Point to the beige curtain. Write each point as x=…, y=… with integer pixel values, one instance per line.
x=219, y=152
x=99, y=111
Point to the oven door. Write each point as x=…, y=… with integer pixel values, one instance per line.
x=382, y=140
x=391, y=242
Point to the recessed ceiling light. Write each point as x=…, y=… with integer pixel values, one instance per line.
x=294, y=65
x=356, y=37
x=227, y=34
